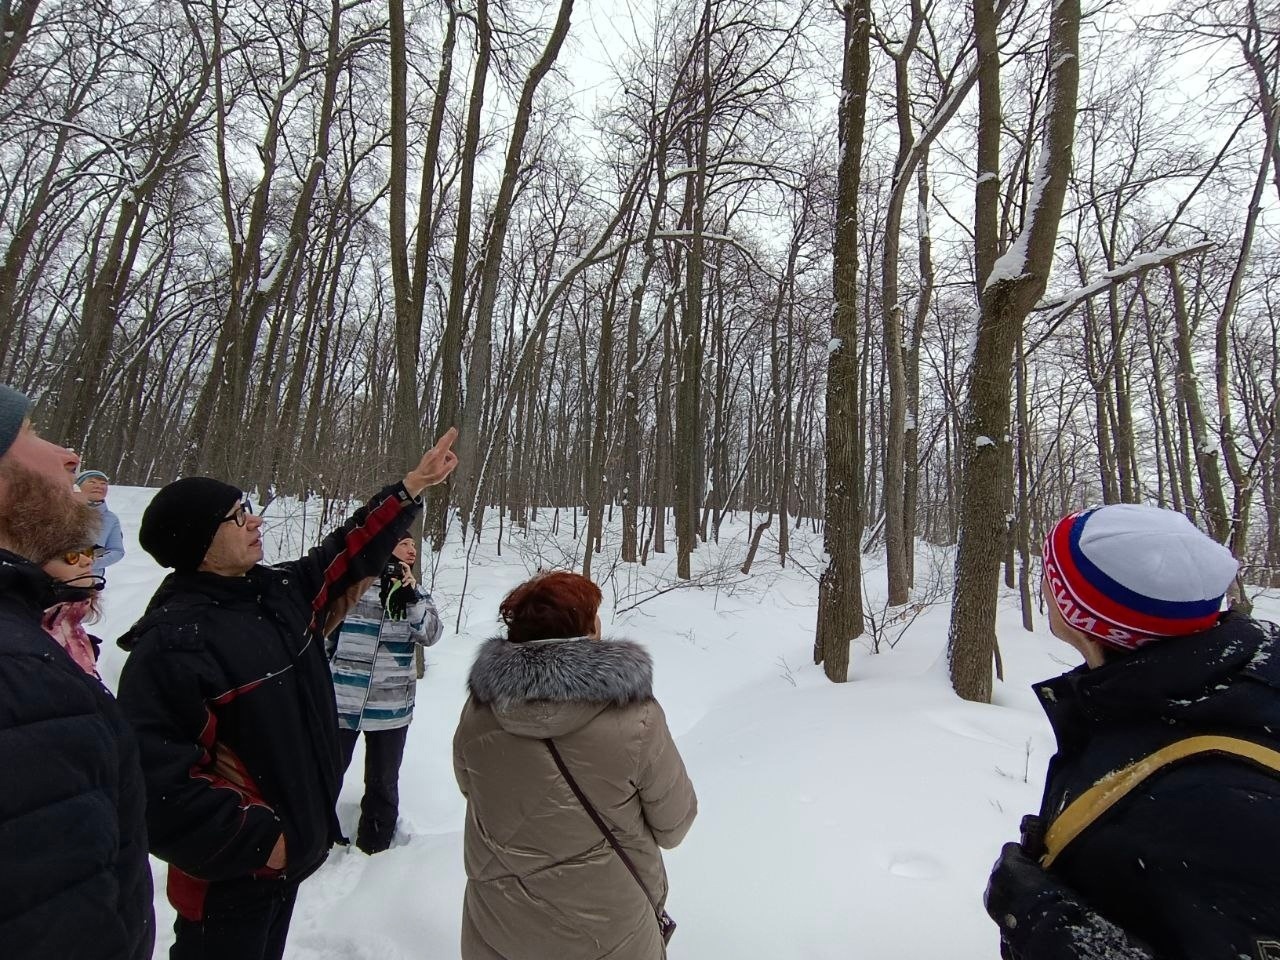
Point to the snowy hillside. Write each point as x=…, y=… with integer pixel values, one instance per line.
x=853, y=821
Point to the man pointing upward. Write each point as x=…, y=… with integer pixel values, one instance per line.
x=229, y=691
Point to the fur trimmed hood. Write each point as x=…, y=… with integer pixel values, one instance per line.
x=614, y=672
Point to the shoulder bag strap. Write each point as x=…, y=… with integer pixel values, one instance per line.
x=1115, y=786
x=599, y=822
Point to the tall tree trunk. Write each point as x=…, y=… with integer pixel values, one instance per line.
x=688, y=424
x=1126, y=477
x=662, y=480
x=600, y=426
x=840, y=587
x=16, y=17
x=896, y=537
x=631, y=486
x=924, y=301
x=450, y=352
x=1203, y=450
x=1016, y=282
x=409, y=282
x=1022, y=509
x=472, y=445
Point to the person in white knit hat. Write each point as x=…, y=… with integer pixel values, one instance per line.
x=109, y=545
x=1160, y=820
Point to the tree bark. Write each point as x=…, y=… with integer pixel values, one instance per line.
x=450, y=351
x=471, y=443
x=840, y=617
x=1016, y=282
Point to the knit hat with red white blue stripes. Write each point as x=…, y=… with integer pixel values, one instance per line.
x=1127, y=574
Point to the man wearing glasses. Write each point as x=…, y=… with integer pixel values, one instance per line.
x=229, y=691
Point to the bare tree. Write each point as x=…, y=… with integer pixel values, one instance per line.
x=840, y=588
x=1015, y=283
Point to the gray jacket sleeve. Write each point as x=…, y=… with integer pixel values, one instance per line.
x=424, y=621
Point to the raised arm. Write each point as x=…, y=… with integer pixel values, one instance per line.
x=360, y=547
x=435, y=466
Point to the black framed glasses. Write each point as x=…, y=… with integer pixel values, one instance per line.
x=73, y=557
x=240, y=514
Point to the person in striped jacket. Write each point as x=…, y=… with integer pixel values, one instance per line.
x=374, y=679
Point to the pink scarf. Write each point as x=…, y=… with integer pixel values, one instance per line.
x=65, y=623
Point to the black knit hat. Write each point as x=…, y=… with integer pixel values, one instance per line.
x=181, y=520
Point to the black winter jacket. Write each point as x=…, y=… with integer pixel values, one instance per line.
x=229, y=691
x=1185, y=866
x=74, y=878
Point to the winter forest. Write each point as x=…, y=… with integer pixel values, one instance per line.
x=933, y=271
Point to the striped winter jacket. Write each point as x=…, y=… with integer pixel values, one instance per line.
x=372, y=663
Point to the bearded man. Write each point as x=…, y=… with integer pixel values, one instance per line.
x=75, y=882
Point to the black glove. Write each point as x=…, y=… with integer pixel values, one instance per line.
x=1016, y=887
x=1040, y=918
x=1031, y=835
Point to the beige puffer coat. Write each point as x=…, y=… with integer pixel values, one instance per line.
x=542, y=882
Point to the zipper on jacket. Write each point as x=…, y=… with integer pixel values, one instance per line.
x=373, y=665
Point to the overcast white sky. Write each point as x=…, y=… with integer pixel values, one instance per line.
x=601, y=31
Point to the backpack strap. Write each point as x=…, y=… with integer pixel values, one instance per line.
x=1115, y=786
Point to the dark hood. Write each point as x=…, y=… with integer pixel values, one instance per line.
x=1222, y=678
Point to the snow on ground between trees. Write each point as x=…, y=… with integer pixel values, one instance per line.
x=836, y=821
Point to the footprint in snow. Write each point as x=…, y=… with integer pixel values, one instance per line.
x=337, y=947
x=915, y=867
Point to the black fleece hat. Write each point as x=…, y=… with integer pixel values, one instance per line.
x=181, y=520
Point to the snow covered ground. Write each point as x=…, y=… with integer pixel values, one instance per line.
x=836, y=821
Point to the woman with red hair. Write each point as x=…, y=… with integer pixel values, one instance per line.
x=560, y=743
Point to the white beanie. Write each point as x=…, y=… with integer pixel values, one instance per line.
x=1127, y=574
